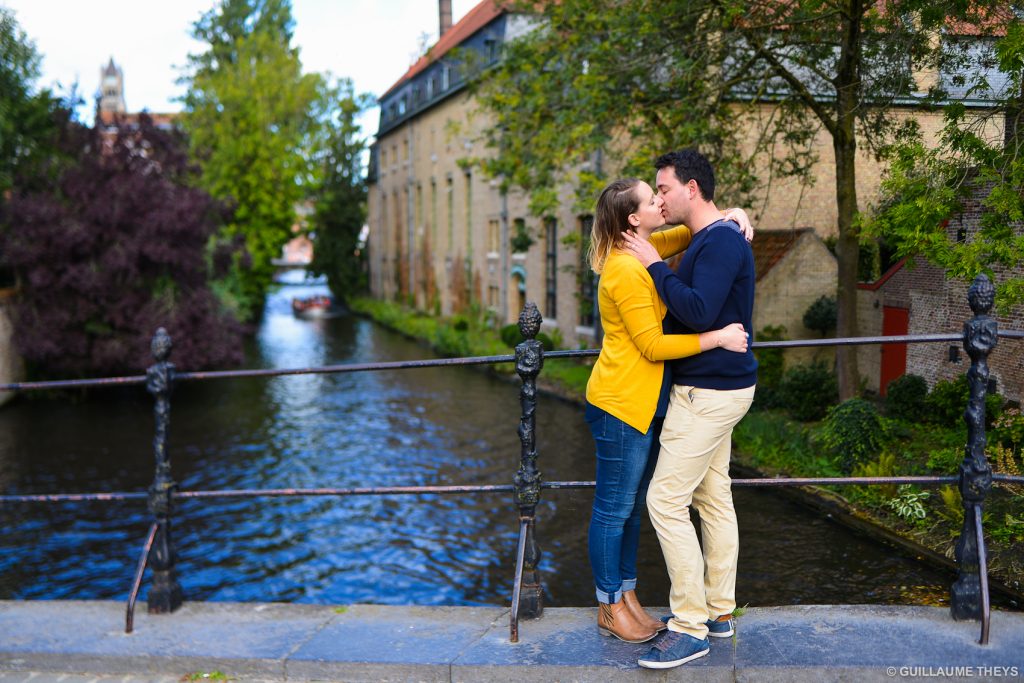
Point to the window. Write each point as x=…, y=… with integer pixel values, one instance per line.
x=550, y=267
x=493, y=237
x=444, y=77
x=493, y=297
x=587, y=277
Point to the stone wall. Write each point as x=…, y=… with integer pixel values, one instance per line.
x=806, y=272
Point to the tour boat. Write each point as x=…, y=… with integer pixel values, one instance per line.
x=320, y=306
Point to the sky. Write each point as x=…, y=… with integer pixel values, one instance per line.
x=372, y=42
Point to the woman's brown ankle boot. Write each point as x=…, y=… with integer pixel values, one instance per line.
x=615, y=619
x=640, y=614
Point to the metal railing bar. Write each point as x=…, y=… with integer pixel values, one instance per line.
x=473, y=360
x=986, y=610
x=129, y=619
x=482, y=488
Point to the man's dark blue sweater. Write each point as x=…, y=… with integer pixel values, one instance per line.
x=713, y=287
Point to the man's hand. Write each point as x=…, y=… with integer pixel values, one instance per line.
x=643, y=250
x=740, y=216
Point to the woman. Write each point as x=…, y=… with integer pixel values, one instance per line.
x=625, y=400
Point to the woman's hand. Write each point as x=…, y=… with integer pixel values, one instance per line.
x=740, y=216
x=643, y=250
x=731, y=338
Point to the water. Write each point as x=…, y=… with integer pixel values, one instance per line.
x=432, y=426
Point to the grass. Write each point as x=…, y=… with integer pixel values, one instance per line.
x=462, y=336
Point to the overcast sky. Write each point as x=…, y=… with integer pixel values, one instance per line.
x=372, y=42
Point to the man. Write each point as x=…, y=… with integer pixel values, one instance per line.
x=711, y=392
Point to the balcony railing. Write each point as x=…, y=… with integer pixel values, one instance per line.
x=969, y=594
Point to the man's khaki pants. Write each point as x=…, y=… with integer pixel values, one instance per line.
x=693, y=468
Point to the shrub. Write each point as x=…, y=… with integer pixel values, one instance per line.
x=806, y=391
x=907, y=503
x=853, y=433
x=905, y=398
x=511, y=337
x=948, y=400
x=460, y=323
x=1008, y=429
x=770, y=364
x=946, y=460
x=821, y=315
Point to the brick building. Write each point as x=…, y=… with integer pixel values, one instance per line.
x=921, y=300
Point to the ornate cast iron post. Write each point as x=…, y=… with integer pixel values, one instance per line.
x=165, y=594
x=968, y=595
x=528, y=592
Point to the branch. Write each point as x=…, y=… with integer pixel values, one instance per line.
x=801, y=90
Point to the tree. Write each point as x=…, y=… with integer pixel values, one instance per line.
x=341, y=194
x=112, y=251
x=27, y=117
x=248, y=113
x=749, y=83
x=927, y=186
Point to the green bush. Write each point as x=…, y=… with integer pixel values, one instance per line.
x=460, y=323
x=853, y=433
x=948, y=400
x=510, y=335
x=905, y=398
x=770, y=364
x=1008, y=429
x=807, y=391
x=821, y=315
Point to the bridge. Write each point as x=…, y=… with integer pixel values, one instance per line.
x=362, y=642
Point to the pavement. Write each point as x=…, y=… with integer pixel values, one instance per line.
x=78, y=641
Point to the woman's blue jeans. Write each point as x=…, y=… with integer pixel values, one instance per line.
x=625, y=463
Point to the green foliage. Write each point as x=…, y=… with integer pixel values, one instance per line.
x=852, y=432
x=884, y=466
x=807, y=391
x=905, y=398
x=948, y=399
x=945, y=460
x=1008, y=429
x=568, y=375
x=907, y=504
x=952, y=507
x=770, y=364
x=820, y=316
x=926, y=184
x=521, y=239
x=251, y=116
x=340, y=194
x=769, y=441
x=510, y=335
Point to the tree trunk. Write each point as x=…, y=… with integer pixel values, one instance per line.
x=847, y=250
x=844, y=144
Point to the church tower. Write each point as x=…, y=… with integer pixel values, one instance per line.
x=111, y=90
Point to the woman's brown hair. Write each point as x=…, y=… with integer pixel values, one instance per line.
x=611, y=219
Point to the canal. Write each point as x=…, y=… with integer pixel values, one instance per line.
x=404, y=427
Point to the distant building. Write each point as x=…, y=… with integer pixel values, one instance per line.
x=112, y=112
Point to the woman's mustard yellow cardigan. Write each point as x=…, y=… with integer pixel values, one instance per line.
x=626, y=380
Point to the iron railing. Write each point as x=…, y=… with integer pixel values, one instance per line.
x=969, y=594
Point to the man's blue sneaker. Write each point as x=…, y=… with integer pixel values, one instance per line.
x=721, y=627
x=673, y=649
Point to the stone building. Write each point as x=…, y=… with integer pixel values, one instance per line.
x=446, y=239
x=793, y=269
x=440, y=233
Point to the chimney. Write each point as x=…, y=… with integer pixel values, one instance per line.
x=444, y=9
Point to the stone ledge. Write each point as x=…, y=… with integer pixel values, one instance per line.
x=45, y=641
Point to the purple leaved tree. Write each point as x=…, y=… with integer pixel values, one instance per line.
x=117, y=247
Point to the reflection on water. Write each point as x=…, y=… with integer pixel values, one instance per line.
x=401, y=427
